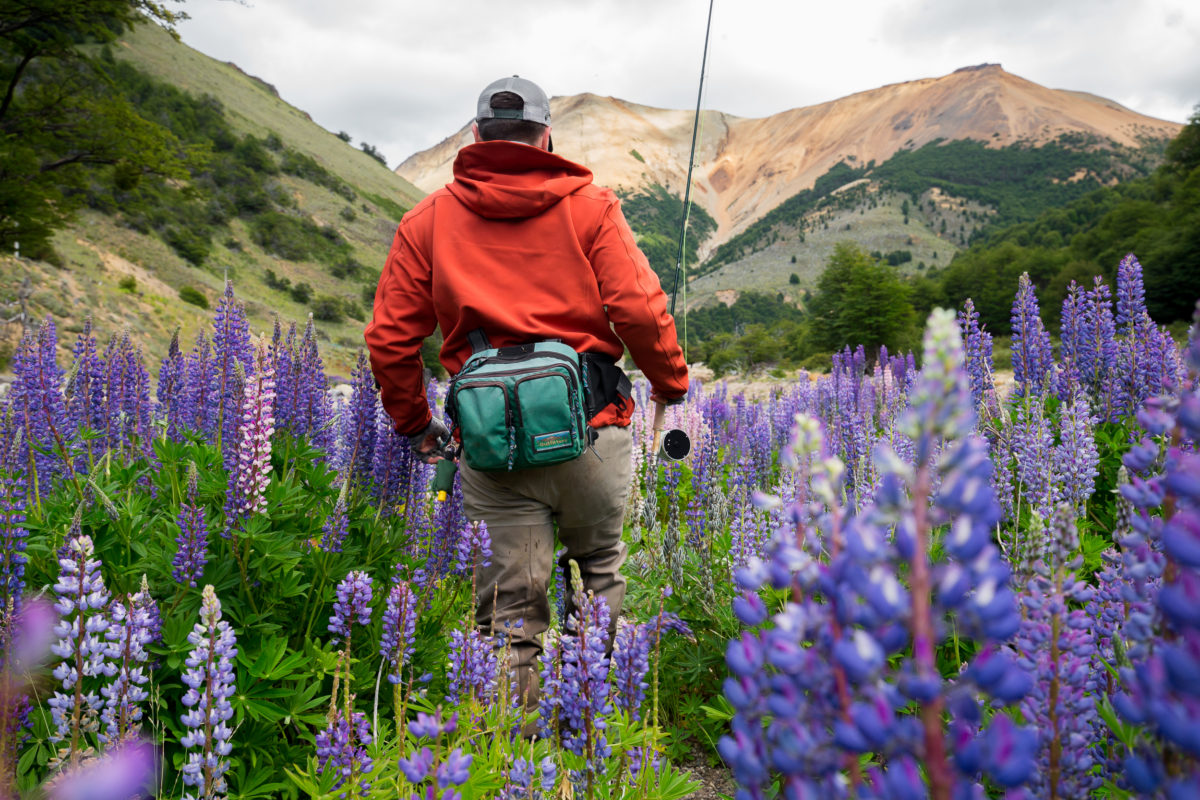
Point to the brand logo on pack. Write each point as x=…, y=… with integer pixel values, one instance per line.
x=551, y=441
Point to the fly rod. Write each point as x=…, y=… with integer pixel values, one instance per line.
x=687, y=192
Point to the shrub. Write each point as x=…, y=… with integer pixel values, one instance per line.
x=794, y=279
x=127, y=284
x=190, y=294
x=327, y=308
x=191, y=245
x=302, y=293
x=348, y=214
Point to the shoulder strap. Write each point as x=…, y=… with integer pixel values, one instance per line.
x=479, y=341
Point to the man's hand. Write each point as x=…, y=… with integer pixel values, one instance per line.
x=674, y=401
x=427, y=445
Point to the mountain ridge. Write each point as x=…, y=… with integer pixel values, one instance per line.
x=747, y=166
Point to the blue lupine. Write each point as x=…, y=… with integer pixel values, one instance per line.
x=128, y=634
x=208, y=674
x=342, y=749
x=82, y=646
x=399, y=629
x=353, y=604
x=191, y=545
x=1031, y=350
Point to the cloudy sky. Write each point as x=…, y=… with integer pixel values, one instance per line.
x=403, y=75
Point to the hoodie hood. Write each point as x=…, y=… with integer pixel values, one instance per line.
x=510, y=180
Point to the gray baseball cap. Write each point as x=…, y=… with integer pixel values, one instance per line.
x=537, y=105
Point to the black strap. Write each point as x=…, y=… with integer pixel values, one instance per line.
x=478, y=340
x=607, y=383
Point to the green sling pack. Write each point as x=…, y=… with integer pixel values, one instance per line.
x=520, y=406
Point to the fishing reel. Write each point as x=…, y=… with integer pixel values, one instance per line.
x=673, y=444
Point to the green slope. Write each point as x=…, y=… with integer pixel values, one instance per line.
x=113, y=265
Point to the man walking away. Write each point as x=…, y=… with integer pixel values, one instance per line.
x=522, y=247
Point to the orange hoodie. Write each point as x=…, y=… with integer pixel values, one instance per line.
x=525, y=246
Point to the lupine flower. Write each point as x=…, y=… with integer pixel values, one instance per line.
x=233, y=362
x=342, y=748
x=172, y=391
x=1075, y=456
x=208, y=674
x=249, y=478
x=46, y=448
x=314, y=410
x=336, y=527
x=358, y=425
x=128, y=634
x=473, y=667
x=399, y=628
x=630, y=663
x=584, y=693
x=353, y=604
x=126, y=771
x=197, y=409
x=85, y=390
x=81, y=644
x=127, y=413
x=978, y=352
x=191, y=552
x=12, y=539
x=1031, y=351
x=474, y=548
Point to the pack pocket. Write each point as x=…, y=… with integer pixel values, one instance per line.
x=546, y=406
x=485, y=418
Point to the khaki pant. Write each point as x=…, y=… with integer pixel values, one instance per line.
x=585, y=498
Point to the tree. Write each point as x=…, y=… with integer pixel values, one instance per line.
x=60, y=118
x=859, y=301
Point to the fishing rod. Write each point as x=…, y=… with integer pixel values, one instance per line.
x=675, y=444
x=687, y=192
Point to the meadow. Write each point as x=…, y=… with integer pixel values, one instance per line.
x=884, y=582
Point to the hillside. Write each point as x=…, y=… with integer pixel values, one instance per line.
x=746, y=167
x=297, y=205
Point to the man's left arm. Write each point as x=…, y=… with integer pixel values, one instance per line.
x=403, y=318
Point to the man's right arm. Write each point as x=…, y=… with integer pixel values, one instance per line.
x=637, y=306
x=403, y=317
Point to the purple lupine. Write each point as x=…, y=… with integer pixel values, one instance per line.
x=85, y=390
x=46, y=449
x=353, y=603
x=426, y=765
x=342, y=749
x=584, y=692
x=527, y=780
x=314, y=409
x=198, y=406
x=251, y=474
x=172, y=391
x=125, y=771
x=1033, y=450
x=209, y=676
x=817, y=689
x=336, y=527
x=1158, y=688
x=144, y=603
x=392, y=471
x=128, y=634
x=1131, y=294
x=284, y=362
x=81, y=644
x=12, y=538
x=358, y=426
x=472, y=668
x=1075, y=456
x=191, y=553
x=128, y=416
x=474, y=548
x=1078, y=336
x=977, y=345
x=630, y=662
x=1033, y=360
x=231, y=349
x=399, y=629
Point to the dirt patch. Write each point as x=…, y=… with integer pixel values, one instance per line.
x=716, y=783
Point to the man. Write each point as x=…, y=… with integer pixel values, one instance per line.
x=525, y=247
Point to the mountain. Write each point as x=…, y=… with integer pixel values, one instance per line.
x=296, y=216
x=745, y=168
